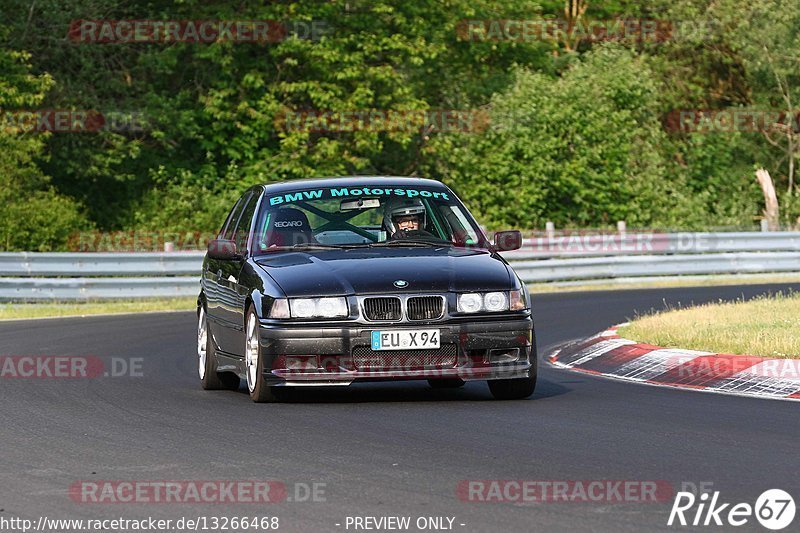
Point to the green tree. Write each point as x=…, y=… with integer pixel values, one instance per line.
x=32, y=215
x=583, y=149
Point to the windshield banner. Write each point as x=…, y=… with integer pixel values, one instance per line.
x=349, y=192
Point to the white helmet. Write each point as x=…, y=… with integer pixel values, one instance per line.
x=398, y=207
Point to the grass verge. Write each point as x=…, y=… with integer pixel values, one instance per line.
x=766, y=326
x=13, y=311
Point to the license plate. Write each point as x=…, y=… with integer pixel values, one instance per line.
x=417, y=339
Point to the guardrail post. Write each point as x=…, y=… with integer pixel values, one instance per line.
x=621, y=228
x=550, y=229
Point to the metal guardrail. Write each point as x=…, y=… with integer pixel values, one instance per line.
x=77, y=276
x=19, y=289
x=100, y=264
x=576, y=245
x=616, y=267
x=557, y=258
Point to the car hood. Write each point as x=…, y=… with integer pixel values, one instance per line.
x=374, y=271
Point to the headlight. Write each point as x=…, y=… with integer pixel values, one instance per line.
x=332, y=307
x=303, y=307
x=469, y=303
x=318, y=307
x=495, y=301
x=491, y=302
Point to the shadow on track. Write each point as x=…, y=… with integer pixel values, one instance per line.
x=390, y=392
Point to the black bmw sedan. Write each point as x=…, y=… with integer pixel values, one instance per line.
x=329, y=281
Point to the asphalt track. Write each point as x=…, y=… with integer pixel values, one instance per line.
x=396, y=449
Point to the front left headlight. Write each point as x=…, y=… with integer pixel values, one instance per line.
x=491, y=302
x=318, y=307
x=495, y=301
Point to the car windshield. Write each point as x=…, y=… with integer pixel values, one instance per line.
x=365, y=216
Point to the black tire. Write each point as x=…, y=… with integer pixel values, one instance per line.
x=210, y=379
x=514, y=389
x=446, y=383
x=260, y=391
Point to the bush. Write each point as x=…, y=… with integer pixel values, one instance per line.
x=587, y=149
x=32, y=215
x=39, y=221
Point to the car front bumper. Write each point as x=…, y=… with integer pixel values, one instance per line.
x=334, y=354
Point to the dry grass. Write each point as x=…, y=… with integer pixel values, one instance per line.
x=12, y=311
x=767, y=326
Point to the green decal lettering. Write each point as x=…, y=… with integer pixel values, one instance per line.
x=296, y=197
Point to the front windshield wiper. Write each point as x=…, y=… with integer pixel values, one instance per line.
x=412, y=242
x=304, y=246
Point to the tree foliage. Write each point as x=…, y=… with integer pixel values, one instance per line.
x=576, y=131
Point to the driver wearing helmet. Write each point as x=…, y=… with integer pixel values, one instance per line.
x=405, y=219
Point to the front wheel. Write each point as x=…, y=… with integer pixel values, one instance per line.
x=257, y=385
x=514, y=389
x=210, y=379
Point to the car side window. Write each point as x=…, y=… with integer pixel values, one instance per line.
x=233, y=218
x=245, y=221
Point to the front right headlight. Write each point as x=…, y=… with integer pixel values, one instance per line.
x=332, y=307
x=319, y=307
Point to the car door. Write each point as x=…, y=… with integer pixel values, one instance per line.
x=231, y=283
x=213, y=275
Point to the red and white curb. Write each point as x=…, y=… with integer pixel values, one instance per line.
x=607, y=354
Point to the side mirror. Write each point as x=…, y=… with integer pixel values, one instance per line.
x=222, y=249
x=505, y=241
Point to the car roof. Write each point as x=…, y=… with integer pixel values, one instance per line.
x=352, y=181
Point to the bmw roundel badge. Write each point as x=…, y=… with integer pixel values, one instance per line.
x=401, y=284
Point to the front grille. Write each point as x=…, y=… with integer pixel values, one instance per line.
x=382, y=308
x=364, y=358
x=425, y=307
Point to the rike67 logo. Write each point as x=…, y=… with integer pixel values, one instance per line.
x=774, y=509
